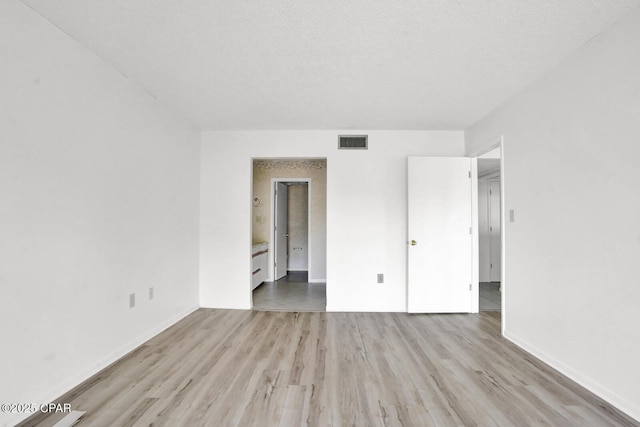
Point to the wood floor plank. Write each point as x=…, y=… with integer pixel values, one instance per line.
x=260, y=368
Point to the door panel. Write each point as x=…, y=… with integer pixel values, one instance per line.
x=440, y=262
x=281, y=232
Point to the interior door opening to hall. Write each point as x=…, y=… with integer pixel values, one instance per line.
x=489, y=231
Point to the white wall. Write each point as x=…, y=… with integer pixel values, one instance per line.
x=572, y=144
x=366, y=211
x=100, y=188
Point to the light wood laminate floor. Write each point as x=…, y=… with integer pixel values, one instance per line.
x=259, y=368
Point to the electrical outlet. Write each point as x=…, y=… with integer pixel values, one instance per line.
x=380, y=278
x=151, y=292
x=132, y=300
x=512, y=215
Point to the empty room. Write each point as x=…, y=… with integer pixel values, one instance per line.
x=463, y=213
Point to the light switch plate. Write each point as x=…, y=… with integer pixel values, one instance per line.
x=132, y=300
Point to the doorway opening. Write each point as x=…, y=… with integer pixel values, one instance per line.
x=289, y=222
x=291, y=229
x=490, y=231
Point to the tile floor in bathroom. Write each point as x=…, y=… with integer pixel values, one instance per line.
x=291, y=293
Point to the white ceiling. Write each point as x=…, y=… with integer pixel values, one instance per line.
x=333, y=64
x=488, y=167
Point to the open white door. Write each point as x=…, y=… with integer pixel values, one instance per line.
x=440, y=240
x=281, y=232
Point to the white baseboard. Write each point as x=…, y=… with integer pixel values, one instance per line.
x=624, y=405
x=235, y=307
x=338, y=309
x=298, y=269
x=317, y=280
x=55, y=392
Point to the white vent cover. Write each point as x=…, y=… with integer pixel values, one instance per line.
x=352, y=142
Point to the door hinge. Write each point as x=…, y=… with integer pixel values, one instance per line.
x=469, y=174
x=470, y=230
x=490, y=193
x=469, y=286
x=490, y=228
x=490, y=265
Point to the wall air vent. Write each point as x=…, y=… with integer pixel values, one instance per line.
x=352, y=142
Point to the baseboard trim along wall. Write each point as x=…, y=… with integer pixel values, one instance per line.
x=623, y=405
x=60, y=389
x=364, y=310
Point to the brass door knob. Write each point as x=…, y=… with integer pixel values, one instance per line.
x=413, y=243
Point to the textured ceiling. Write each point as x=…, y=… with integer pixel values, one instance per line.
x=332, y=64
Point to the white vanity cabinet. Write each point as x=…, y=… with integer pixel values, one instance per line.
x=258, y=264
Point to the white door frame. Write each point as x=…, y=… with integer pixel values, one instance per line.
x=499, y=142
x=272, y=256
